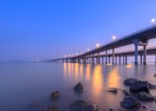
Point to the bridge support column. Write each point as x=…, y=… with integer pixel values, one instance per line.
x=125, y=59
x=113, y=56
x=155, y=58
x=98, y=58
x=109, y=60
x=93, y=59
x=140, y=58
x=145, y=54
x=84, y=60
x=136, y=52
x=102, y=60
x=78, y=59
x=106, y=57
x=119, y=59
x=116, y=60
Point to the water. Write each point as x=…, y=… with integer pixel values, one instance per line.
x=27, y=86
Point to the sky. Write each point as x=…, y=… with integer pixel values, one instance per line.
x=45, y=29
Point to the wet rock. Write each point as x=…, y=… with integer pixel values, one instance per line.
x=78, y=88
x=125, y=92
x=53, y=108
x=55, y=95
x=110, y=109
x=113, y=90
x=79, y=105
x=143, y=96
x=130, y=102
x=140, y=86
x=92, y=107
x=130, y=81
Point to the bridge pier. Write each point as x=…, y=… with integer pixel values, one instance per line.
x=102, y=60
x=78, y=59
x=136, y=42
x=125, y=59
x=93, y=59
x=106, y=57
x=113, y=56
x=115, y=59
x=145, y=54
x=155, y=58
x=109, y=60
x=98, y=58
x=140, y=58
x=84, y=60
x=119, y=59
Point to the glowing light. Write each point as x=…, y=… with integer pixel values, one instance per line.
x=114, y=37
x=97, y=45
x=153, y=20
x=114, y=78
x=129, y=66
x=97, y=81
x=77, y=53
x=88, y=49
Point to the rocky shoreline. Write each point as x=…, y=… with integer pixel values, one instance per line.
x=139, y=91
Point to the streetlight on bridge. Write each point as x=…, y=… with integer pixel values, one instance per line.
x=153, y=21
x=114, y=37
x=97, y=45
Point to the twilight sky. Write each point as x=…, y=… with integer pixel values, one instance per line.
x=32, y=29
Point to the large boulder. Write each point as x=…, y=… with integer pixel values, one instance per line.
x=130, y=102
x=140, y=86
x=80, y=105
x=78, y=88
x=130, y=81
x=143, y=96
x=55, y=95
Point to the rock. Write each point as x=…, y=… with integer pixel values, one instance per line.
x=130, y=81
x=93, y=107
x=125, y=92
x=110, y=109
x=55, y=94
x=143, y=96
x=80, y=105
x=50, y=109
x=140, y=86
x=154, y=75
x=130, y=102
x=78, y=88
x=113, y=90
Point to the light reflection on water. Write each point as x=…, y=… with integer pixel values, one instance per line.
x=25, y=83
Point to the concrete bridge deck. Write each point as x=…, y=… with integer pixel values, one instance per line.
x=139, y=38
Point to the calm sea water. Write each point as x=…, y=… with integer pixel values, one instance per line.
x=27, y=86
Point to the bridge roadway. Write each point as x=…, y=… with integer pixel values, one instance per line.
x=139, y=38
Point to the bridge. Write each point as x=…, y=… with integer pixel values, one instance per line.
x=138, y=39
